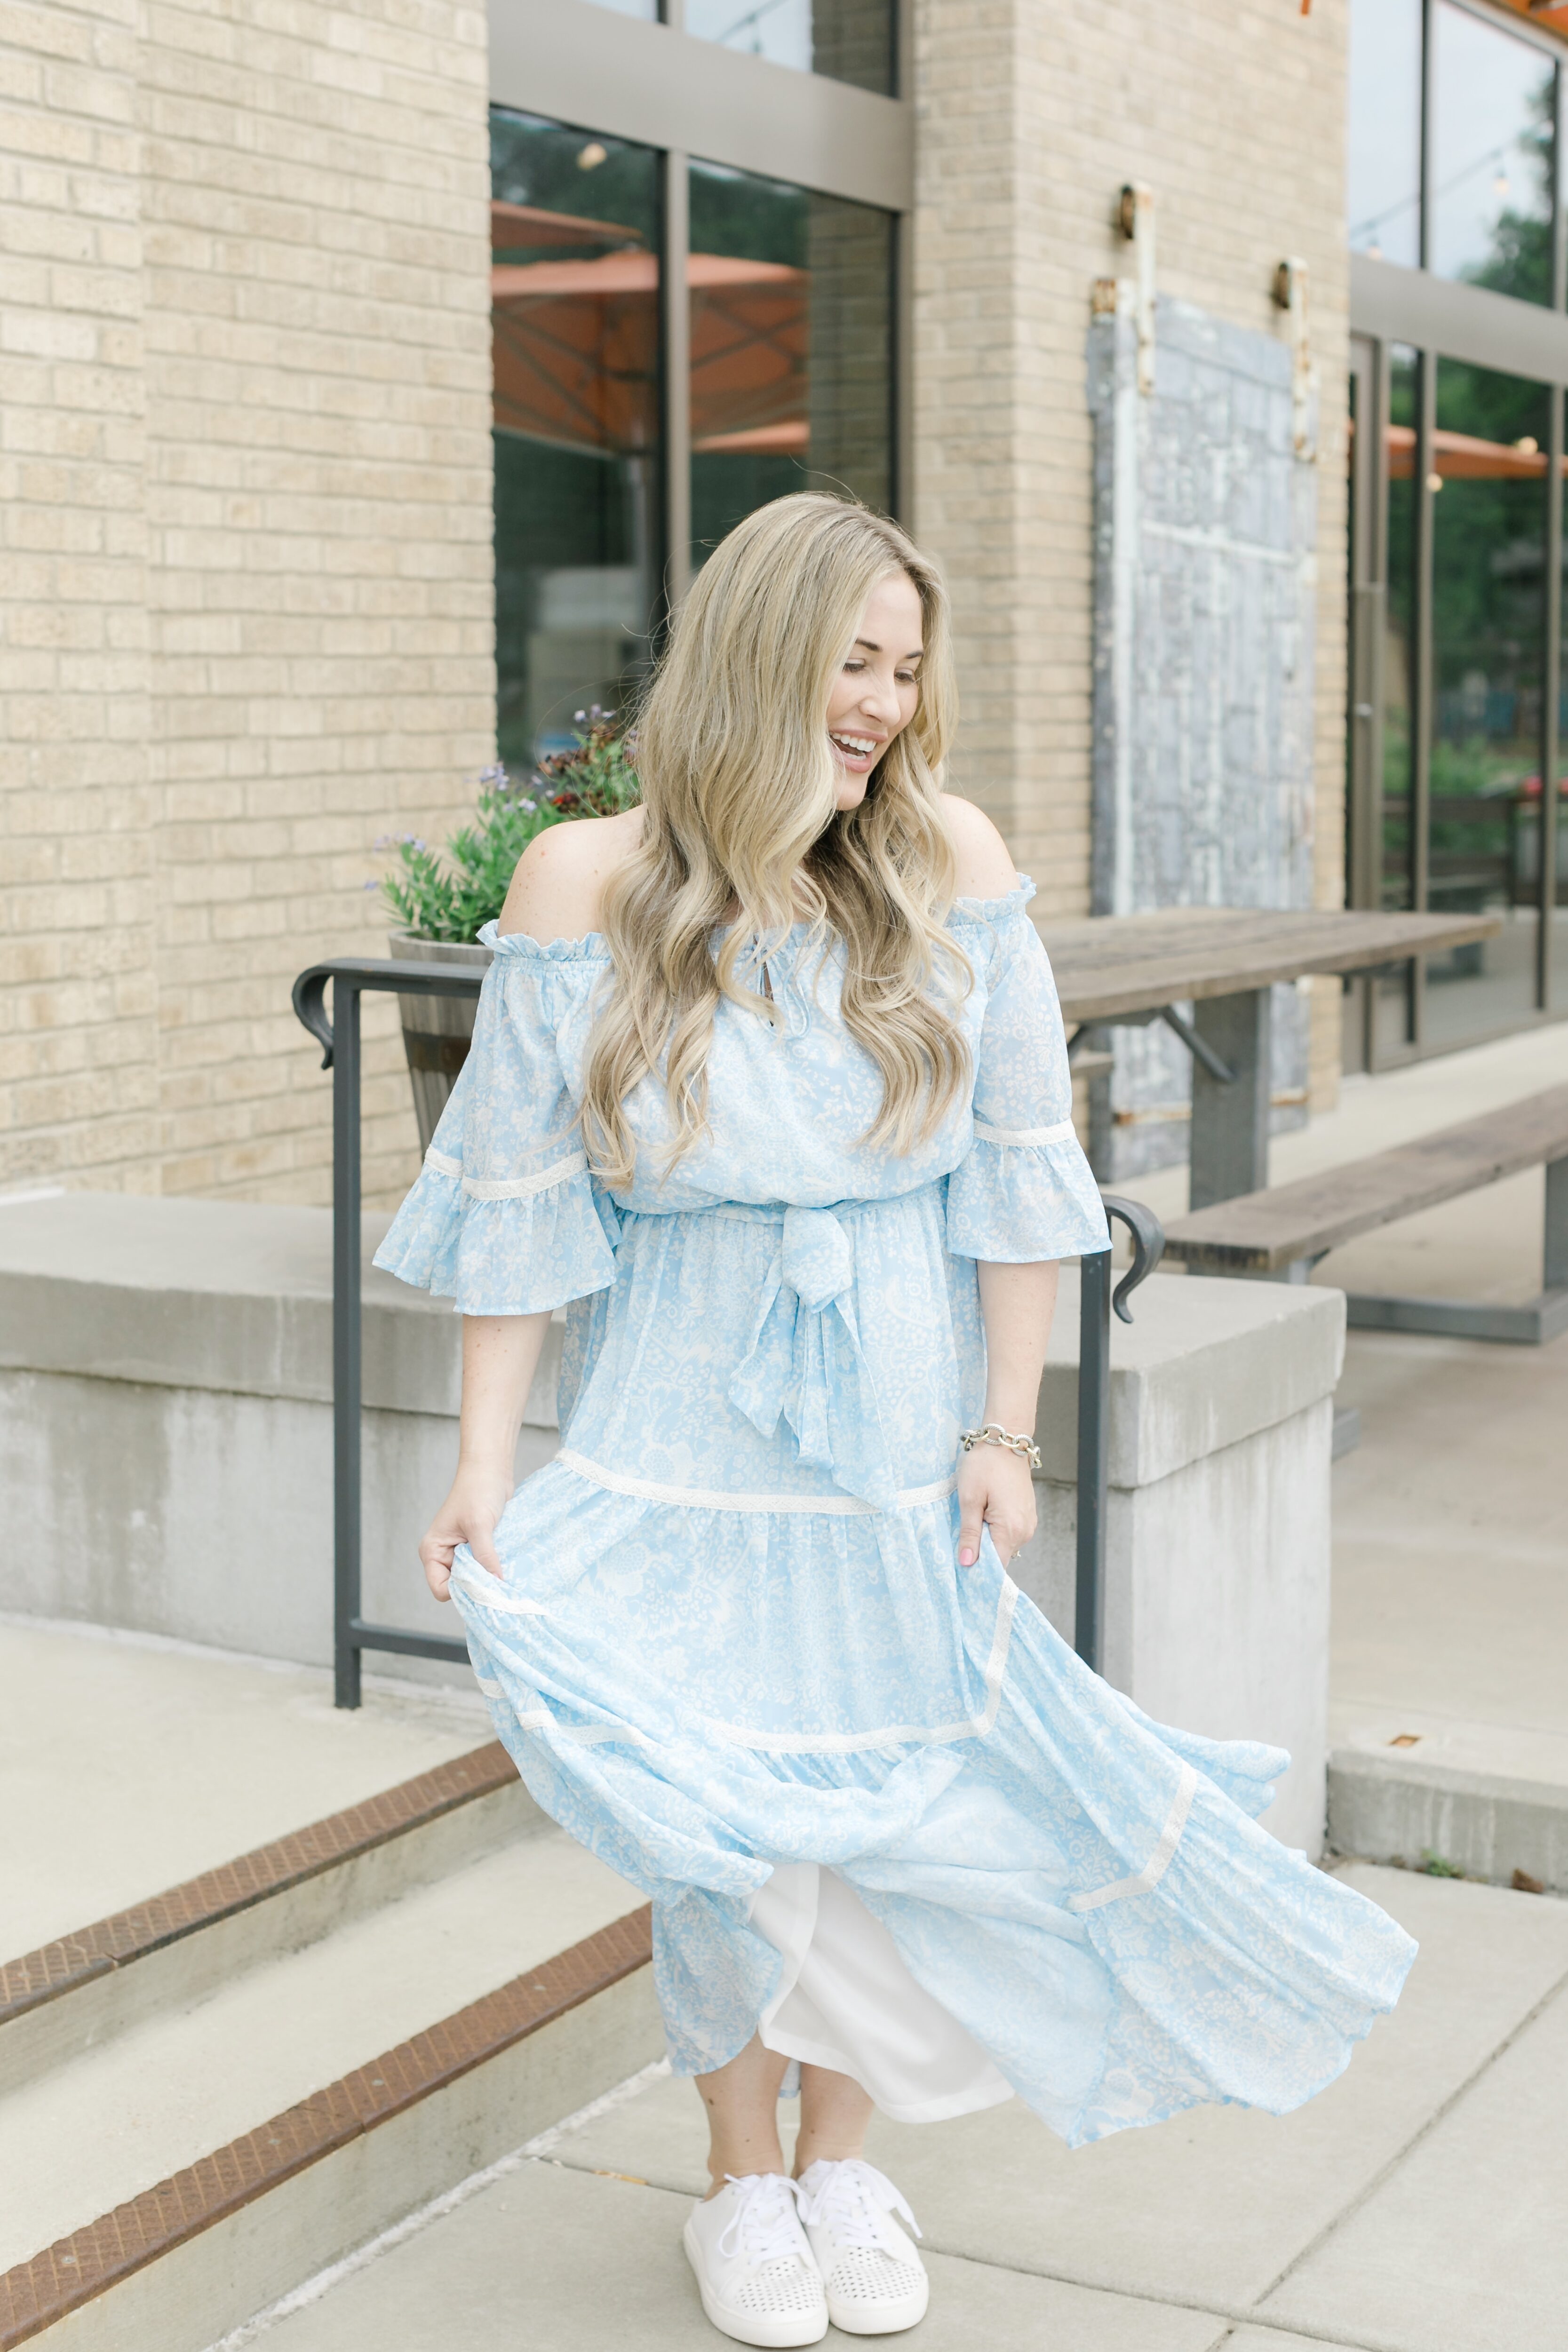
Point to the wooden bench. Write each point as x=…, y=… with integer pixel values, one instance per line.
x=1283, y=1233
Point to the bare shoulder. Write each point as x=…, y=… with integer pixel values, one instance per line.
x=985, y=867
x=560, y=880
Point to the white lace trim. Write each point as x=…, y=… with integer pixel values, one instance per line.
x=896, y=1734
x=494, y=1593
x=522, y=1188
x=1064, y=1132
x=1159, y=1862
x=703, y=1498
x=583, y=1735
x=442, y=1162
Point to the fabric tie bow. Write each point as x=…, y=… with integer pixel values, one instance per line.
x=806, y=1363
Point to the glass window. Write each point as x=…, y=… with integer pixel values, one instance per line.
x=1385, y=196
x=1396, y=832
x=849, y=40
x=575, y=311
x=1529, y=835
x=1493, y=102
x=1487, y=642
x=791, y=348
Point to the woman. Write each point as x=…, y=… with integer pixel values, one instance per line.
x=769, y=1089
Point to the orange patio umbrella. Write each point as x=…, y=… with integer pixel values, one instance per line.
x=576, y=342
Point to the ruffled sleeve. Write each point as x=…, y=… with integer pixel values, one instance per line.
x=1024, y=1192
x=506, y=1218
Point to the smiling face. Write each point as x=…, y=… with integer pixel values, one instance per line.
x=877, y=691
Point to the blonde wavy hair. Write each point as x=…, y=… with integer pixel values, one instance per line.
x=739, y=786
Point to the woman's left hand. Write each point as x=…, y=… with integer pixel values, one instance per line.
x=995, y=1489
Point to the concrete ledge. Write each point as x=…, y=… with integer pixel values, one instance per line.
x=1488, y=1824
x=219, y=1294
x=1204, y=1363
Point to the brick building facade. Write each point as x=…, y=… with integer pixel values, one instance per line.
x=247, y=603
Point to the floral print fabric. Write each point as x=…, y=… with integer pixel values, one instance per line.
x=732, y=1631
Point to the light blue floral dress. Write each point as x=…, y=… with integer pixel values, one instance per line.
x=733, y=1633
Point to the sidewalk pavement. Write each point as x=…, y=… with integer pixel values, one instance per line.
x=1416, y=2206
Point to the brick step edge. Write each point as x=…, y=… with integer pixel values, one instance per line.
x=91, y=1952
x=71, y=2273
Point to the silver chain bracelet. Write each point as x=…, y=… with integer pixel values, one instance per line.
x=994, y=1434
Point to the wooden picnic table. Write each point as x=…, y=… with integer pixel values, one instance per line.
x=1116, y=970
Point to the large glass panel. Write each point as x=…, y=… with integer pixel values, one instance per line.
x=646, y=9
x=1529, y=834
x=1386, y=130
x=1395, y=833
x=1487, y=632
x=574, y=312
x=1493, y=104
x=850, y=40
x=792, y=344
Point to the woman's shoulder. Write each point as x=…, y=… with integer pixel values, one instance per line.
x=558, y=888
x=984, y=862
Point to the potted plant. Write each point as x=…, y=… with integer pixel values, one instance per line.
x=443, y=898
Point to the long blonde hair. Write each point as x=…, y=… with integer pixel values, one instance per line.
x=738, y=787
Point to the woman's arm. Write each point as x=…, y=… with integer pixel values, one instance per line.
x=500, y=1356
x=994, y=1487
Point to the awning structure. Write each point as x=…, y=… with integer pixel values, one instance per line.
x=1551, y=16
x=1462, y=457
x=576, y=342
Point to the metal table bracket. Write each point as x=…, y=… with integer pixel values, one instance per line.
x=1095, y=1303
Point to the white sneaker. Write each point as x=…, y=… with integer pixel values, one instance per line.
x=876, y=2282
x=754, y=2269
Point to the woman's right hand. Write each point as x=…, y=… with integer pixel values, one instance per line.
x=469, y=1514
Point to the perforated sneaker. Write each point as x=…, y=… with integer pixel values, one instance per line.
x=754, y=2269
x=876, y=2282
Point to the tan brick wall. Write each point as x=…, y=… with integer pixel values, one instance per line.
x=302, y=526
x=77, y=1032
x=1031, y=117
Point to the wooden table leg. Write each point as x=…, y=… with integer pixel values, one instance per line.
x=1230, y=1123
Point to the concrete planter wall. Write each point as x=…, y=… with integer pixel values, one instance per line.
x=166, y=1442
x=437, y=1030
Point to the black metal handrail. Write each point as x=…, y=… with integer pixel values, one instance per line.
x=339, y=1037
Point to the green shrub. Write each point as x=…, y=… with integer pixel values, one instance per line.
x=451, y=892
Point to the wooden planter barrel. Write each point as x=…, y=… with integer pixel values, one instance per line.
x=437, y=1030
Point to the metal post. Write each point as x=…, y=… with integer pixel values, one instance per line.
x=339, y=1041
x=1230, y=1120
x=1093, y=1458
x=346, y=1350
x=675, y=405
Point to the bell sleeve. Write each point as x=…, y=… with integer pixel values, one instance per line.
x=505, y=1218
x=1024, y=1192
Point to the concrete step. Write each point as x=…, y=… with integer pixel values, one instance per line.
x=194, y=2255
x=101, y=1730
x=1464, y=1816
x=80, y=1990
x=104, y=2125
x=164, y=2071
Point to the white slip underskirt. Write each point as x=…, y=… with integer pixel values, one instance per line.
x=847, y=2000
